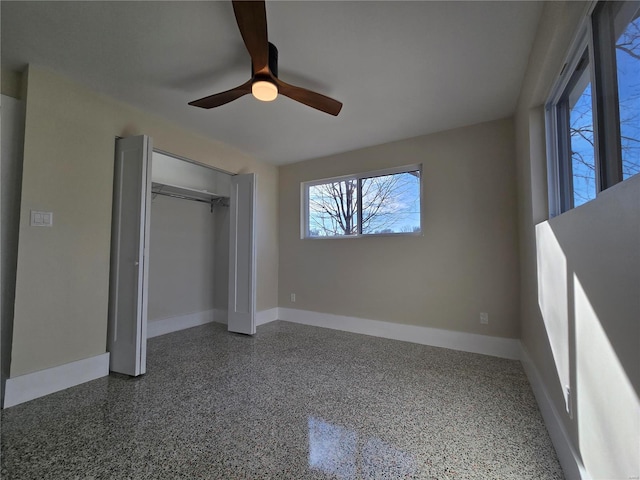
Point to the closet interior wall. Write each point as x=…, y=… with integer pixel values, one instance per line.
x=188, y=248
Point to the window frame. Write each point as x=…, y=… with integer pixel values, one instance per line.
x=304, y=195
x=559, y=174
x=605, y=110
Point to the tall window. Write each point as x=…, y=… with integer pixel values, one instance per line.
x=627, y=48
x=382, y=202
x=594, y=111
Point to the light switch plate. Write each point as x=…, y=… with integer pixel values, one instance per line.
x=41, y=219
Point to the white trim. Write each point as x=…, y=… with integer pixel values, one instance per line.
x=569, y=459
x=267, y=316
x=163, y=326
x=43, y=382
x=360, y=175
x=468, y=342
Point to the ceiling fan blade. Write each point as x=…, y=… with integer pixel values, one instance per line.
x=224, y=97
x=309, y=98
x=252, y=22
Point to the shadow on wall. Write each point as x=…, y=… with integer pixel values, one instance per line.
x=588, y=284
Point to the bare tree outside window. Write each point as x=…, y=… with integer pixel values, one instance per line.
x=390, y=204
x=628, y=63
x=333, y=209
x=581, y=121
x=583, y=162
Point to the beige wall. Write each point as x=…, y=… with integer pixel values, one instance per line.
x=580, y=280
x=465, y=263
x=11, y=83
x=63, y=271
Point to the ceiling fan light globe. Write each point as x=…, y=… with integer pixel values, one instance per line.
x=264, y=91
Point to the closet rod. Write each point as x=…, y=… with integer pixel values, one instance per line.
x=212, y=202
x=183, y=197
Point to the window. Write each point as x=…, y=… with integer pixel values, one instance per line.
x=575, y=115
x=594, y=110
x=375, y=203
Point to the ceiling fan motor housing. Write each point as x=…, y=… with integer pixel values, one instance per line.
x=251, y=17
x=273, y=61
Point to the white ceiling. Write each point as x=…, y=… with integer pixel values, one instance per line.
x=401, y=69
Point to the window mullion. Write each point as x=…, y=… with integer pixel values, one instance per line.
x=607, y=116
x=304, y=216
x=565, y=171
x=359, y=205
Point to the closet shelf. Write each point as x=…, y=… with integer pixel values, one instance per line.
x=163, y=188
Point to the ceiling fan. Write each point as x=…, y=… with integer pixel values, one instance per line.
x=264, y=83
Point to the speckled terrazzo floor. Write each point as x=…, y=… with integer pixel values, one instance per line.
x=292, y=402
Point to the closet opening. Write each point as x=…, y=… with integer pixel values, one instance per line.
x=182, y=250
x=188, y=245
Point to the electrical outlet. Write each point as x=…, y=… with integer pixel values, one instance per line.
x=293, y=298
x=484, y=318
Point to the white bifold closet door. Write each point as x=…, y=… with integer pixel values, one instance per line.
x=242, y=258
x=129, y=277
x=128, y=288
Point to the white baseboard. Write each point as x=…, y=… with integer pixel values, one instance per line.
x=163, y=326
x=43, y=382
x=569, y=459
x=468, y=342
x=156, y=328
x=266, y=316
